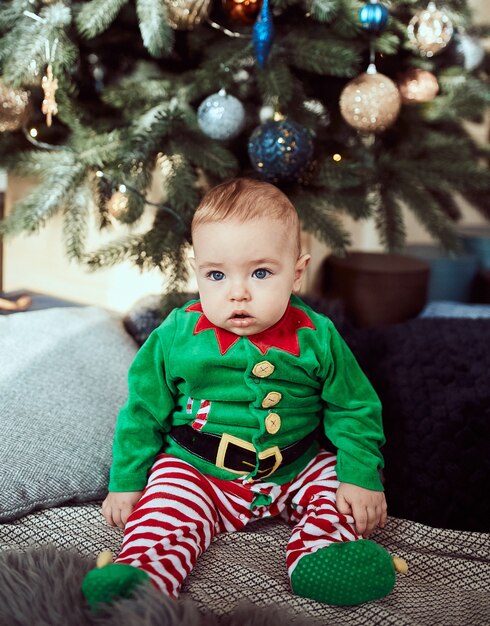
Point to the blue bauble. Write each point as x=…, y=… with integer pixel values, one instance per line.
x=221, y=116
x=263, y=34
x=374, y=17
x=280, y=149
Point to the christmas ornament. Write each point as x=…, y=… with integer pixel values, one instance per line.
x=49, y=85
x=280, y=149
x=185, y=14
x=430, y=30
x=266, y=113
x=319, y=110
x=14, y=108
x=416, y=85
x=371, y=102
x=118, y=204
x=374, y=17
x=242, y=11
x=263, y=34
x=470, y=50
x=221, y=116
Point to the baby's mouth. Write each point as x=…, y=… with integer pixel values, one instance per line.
x=240, y=318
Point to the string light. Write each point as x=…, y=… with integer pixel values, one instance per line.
x=33, y=132
x=337, y=157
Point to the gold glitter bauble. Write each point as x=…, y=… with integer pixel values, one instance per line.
x=15, y=108
x=371, y=102
x=118, y=204
x=430, y=30
x=416, y=85
x=185, y=14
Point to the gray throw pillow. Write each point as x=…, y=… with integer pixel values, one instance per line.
x=63, y=375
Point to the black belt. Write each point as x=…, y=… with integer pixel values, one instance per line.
x=237, y=455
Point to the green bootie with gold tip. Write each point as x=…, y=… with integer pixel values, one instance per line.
x=110, y=581
x=345, y=574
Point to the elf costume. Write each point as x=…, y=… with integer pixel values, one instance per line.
x=221, y=429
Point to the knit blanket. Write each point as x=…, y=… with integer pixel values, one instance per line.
x=433, y=378
x=241, y=580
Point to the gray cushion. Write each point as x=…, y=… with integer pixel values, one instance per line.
x=63, y=378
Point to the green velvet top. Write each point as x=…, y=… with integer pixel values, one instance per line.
x=300, y=370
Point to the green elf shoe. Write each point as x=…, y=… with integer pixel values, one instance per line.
x=345, y=574
x=110, y=581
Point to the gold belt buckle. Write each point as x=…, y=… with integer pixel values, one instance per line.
x=226, y=439
x=265, y=454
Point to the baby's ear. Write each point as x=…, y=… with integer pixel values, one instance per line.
x=299, y=270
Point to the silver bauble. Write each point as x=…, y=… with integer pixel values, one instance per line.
x=471, y=50
x=221, y=116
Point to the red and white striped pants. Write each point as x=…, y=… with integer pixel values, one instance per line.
x=181, y=511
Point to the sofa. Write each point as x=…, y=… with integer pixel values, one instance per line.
x=62, y=381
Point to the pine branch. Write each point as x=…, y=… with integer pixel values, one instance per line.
x=94, y=17
x=428, y=213
x=346, y=23
x=276, y=83
x=137, y=93
x=480, y=201
x=387, y=43
x=339, y=175
x=23, y=49
x=204, y=153
x=181, y=187
x=45, y=201
x=389, y=221
x=158, y=247
x=323, y=10
x=12, y=13
x=329, y=57
x=446, y=202
x=75, y=223
x=156, y=33
x=353, y=202
x=318, y=218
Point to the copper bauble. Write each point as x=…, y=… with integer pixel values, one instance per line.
x=14, y=108
x=371, y=102
x=186, y=14
x=242, y=11
x=416, y=85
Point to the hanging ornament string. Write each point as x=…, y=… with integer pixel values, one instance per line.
x=50, y=85
x=227, y=31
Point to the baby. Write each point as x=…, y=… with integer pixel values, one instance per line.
x=227, y=399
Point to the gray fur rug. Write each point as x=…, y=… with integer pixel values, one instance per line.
x=41, y=587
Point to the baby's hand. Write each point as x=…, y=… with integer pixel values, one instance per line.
x=367, y=507
x=118, y=506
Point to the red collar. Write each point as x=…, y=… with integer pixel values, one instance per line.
x=283, y=335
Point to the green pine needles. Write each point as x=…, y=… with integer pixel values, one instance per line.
x=129, y=87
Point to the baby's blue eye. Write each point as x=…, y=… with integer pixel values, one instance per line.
x=215, y=275
x=261, y=273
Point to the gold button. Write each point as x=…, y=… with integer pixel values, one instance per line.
x=272, y=423
x=263, y=369
x=271, y=399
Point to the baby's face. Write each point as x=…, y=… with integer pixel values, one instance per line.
x=246, y=272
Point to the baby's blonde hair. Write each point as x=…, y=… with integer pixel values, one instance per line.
x=245, y=199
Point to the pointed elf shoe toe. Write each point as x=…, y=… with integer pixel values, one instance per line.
x=345, y=574
x=110, y=581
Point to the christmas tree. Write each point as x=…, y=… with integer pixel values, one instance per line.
x=349, y=107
